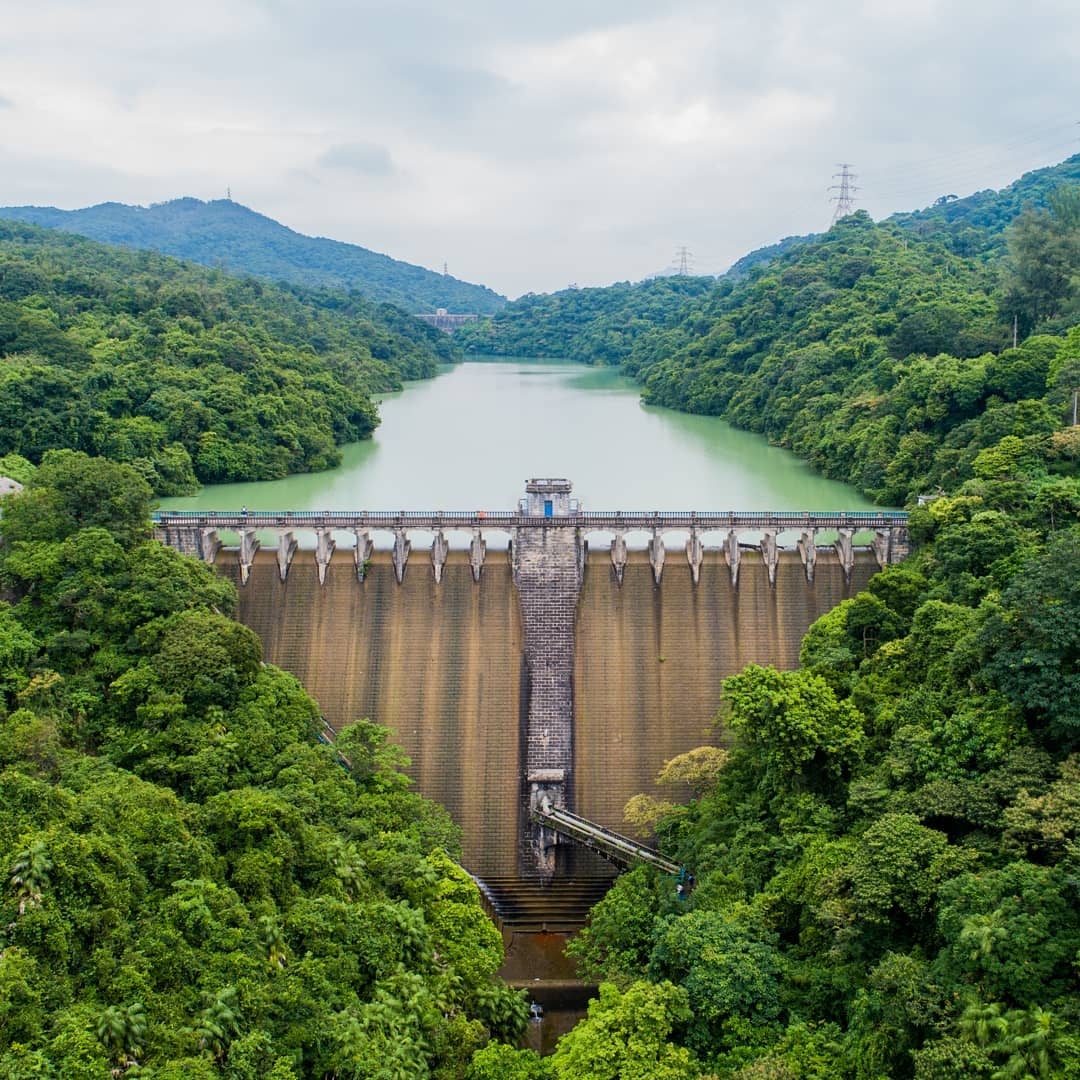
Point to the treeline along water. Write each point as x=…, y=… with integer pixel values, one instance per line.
x=470, y=437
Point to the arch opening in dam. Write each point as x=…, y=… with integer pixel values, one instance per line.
x=554, y=669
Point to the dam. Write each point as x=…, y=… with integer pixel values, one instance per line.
x=570, y=666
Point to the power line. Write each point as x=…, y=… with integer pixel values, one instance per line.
x=966, y=153
x=683, y=261
x=845, y=200
x=973, y=163
x=902, y=184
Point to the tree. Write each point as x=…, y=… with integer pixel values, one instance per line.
x=1045, y=254
x=1031, y=644
x=122, y=1032
x=793, y=724
x=497, y=1061
x=625, y=1037
x=30, y=875
x=218, y=1022
x=728, y=972
x=71, y=491
x=899, y=867
x=616, y=943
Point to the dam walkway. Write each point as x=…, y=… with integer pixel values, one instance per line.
x=549, y=507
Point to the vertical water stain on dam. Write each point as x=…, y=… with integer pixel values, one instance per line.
x=442, y=666
x=438, y=664
x=650, y=660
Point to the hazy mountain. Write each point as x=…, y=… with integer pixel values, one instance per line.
x=225, y=234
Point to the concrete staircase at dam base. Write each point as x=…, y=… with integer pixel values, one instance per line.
x=536, y=905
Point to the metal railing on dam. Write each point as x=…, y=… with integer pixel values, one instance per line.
x=196, y=533
x=585, y=520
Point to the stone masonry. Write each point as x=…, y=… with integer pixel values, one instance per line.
x=547, y=565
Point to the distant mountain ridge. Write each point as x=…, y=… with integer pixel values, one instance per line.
x=974, y=223
x=231, y=236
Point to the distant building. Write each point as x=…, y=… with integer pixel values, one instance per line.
x=9, y=486
x=443, y=320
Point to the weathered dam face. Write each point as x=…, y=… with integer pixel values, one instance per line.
x=444, y=666
x=650, y=660
x=441, y=665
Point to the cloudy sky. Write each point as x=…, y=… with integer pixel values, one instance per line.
x=530, y=145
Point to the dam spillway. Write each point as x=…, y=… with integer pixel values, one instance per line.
x=649, y=661
x=550, y=670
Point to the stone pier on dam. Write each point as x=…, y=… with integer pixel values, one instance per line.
x=561, y=669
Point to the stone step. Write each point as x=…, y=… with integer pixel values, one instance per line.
x=528, y=904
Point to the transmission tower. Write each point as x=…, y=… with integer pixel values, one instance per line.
x=683, y=259
x=845, y=199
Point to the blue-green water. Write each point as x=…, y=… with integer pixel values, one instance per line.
x=470, y=437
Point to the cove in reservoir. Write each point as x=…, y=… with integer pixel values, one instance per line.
x=470, y=437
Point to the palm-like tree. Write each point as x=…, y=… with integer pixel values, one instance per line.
x=122, y=1031
x=982, y=1024
x=30, y=875
x=347, y=864
x=273, y=940
x=1029, y=1044
x=218, y=1023
x=982, y=933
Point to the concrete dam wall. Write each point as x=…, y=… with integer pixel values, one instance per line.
x=444, y=666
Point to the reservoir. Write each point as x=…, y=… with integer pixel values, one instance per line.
x=470, y=437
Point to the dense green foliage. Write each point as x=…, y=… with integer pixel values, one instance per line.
x=879, y=352
x=975, y=224
x=192, y=885
x=888, y=866
x=593, y=326
x=229, y=236
x=188, y=374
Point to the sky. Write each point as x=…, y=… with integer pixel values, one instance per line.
x=529, y=146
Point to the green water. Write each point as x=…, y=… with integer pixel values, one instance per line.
x=469, y=438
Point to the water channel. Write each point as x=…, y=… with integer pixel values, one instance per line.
x=470, y=437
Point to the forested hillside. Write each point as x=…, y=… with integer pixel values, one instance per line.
x=188, y=374
x=879, y=352
x=193, y=886
x=592, y=326
x=976, y=224
x=226, y=235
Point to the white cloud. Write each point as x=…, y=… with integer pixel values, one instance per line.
x=531, y=145
x=365, y=158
